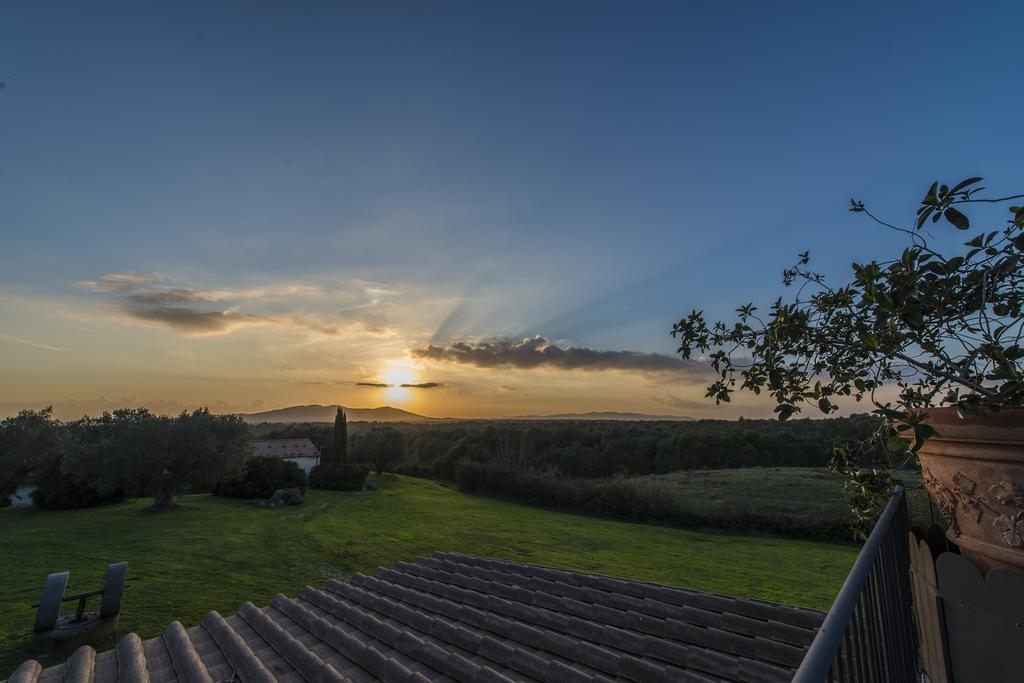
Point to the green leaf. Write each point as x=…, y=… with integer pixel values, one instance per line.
x=957, y=219
x=785, y=411
x=964, y=183
x=913, y=316
x=954, y=263
x=929, y=197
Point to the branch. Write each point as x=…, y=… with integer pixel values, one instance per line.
x=948, y=375
x=915, y=235
x=988, y=201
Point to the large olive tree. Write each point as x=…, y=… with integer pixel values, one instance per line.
x=151, y=455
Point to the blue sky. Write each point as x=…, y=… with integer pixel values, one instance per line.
x=349, y=183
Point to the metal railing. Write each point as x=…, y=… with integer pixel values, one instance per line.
x=868, y=634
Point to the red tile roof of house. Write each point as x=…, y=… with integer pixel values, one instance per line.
x=285, y=448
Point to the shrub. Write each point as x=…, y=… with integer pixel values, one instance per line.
x=262, y=476
x=338, y=477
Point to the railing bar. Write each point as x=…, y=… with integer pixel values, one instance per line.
x=905, y=653
x=862, y=637
x=875, y=630
x=878, y=635
x=846, y=669
x=869, y=649
x=887, y=613
x=855, y=658
x=895, y=634
x=901, y=562
x=838, y=669
x=890, y=638
x=834, y=628
x=904, y=650
x=858, y=641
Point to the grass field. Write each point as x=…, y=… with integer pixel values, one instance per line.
x=812, y=493
x=216, y=553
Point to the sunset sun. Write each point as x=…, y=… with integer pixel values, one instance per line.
x=397, y=375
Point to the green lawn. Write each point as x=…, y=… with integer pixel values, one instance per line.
x=217, y=553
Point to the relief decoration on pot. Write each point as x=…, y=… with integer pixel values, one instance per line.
x=1012, y=524
x=963, y=497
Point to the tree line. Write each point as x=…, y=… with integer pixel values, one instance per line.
x=593, y=449
x=132, y=453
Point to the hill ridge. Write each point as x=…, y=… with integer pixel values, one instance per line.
x=314, y=412
x=605, y=415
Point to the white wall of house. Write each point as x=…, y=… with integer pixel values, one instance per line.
x=305, y=463
x=22, y=496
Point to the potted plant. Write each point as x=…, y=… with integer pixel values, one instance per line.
x=942, y=333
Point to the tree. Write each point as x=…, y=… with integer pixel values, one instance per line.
x=340, y=441
x=28, y=441
x=944, y=329
x=262, y=476
x=382, y=446
x=144, y=454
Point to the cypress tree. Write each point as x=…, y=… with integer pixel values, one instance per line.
x=340, y=437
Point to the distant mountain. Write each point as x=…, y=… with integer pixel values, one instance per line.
x=318, y=413
x=604, y=415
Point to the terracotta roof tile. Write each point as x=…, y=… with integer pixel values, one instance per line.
x=459, y=618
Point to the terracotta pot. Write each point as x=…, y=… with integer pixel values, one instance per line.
x=974, y=470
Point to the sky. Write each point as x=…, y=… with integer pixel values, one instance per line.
x=249, y=205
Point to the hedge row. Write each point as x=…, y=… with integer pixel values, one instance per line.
x=338, y=477
x=624, y=499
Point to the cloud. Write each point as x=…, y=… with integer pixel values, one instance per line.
x=115, y=282
x=375, y=296
x=684, y=403
x=539, y=352
x=172, y=296
x=385, y=385
x=154, y=298
x=28, y=342
x=190, y=320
